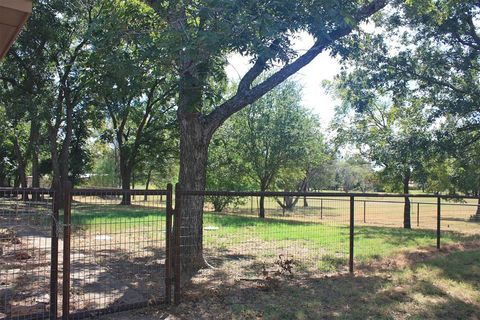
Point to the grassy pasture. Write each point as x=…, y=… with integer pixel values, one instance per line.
x=316, y=237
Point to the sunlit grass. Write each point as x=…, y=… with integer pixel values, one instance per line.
x=224, y=231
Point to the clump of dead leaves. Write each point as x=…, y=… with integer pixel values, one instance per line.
x=272, y=277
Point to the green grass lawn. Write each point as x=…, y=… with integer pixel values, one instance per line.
x=327, y=240
x=324, y=242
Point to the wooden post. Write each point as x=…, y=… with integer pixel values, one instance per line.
x=418, y=214
x=364, y=211
x=67, y=229
x=321, y=208
x=352, y=232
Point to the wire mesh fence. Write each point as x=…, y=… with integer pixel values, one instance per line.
x=117, y=250
x=113, y=250
x=309, y=231
x=322, y=232
x=26, y=219
x=104, y=252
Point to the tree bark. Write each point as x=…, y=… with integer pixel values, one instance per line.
x=147, y=184
x=126, y=174
x=261, y=207
x=21, y=163
x=34, y=150
x=61, y=160
x=194, y=141
x=406, y=210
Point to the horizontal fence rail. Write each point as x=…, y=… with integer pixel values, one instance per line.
x=320, y=194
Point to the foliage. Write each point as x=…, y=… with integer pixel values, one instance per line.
x=428, y=52
x=353, y=173
x=274, y=136
x=226, y=169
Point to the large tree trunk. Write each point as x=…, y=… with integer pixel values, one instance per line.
x=261, y=207
x=147, y=184
x=21, y=163
x=61, y=160
x=406, y=210
x=126, y=174
x=194, y=141
x=57, y=181
x=34, y=150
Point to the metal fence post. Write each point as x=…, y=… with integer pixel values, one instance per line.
x=321, y=208
x=418, y=214
x=438, y=221
x=364, y=211
x=352, y=230
x=168, y=244
x=54, y=259
x=67, y=229
x=177, y=229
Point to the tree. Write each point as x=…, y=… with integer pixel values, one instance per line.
x=24, y=81
x=7, y=165
x=136, y=98
x=353, y=173
x=457, y=168
x=315, y=157
x=226, y=170
x=46, y=66
x=396, y=138
x=273, y=136
x=203, y=33
x=427, y=50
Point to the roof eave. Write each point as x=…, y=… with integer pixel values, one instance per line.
x=13, y=16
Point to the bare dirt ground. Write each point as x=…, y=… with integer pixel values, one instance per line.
x=107, y=270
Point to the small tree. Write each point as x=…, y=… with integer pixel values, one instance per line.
x=273, y=136
x=395, y=138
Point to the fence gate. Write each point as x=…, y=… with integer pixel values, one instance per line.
x=90, y=252
x=28, y=240
x=115, y=250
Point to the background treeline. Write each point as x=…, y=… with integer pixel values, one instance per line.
x=88, y=94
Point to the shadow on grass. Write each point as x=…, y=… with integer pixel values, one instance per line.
x=405, y=294
x=458, y=266
x=400, y=235
x=466, y=220
x=230, y=220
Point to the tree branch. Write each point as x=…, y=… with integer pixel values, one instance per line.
x=246, y=97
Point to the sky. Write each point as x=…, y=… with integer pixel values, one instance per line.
x=324, y=67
